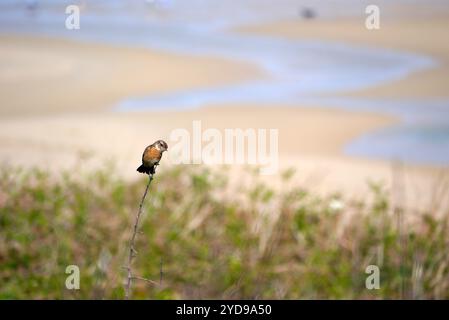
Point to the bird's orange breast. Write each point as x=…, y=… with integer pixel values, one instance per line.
x=151, y=155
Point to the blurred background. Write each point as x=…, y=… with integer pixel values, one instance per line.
x=363, y=120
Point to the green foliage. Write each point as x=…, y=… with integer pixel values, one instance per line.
x=268, y=244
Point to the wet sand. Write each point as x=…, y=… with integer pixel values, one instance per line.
x=416, y=35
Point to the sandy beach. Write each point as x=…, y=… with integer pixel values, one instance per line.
x=57, y=96
x=47, y=76
x=87, y=79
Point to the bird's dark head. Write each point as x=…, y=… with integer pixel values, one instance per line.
x=161, y=145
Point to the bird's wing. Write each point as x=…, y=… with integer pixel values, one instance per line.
x=145, y=152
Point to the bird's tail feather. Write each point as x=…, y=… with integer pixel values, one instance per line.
x=143, y=169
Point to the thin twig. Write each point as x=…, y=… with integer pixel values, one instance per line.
x=161, y=273
x=398, y=209
x=132, y=250
x=144, y=279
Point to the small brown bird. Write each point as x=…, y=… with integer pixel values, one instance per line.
x=151, y=157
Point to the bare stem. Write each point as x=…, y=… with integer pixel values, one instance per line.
x=132, y=250
x=398, y=209
x=161, y=273
x=145, y=279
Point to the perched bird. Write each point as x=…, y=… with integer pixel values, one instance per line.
x=151, y=157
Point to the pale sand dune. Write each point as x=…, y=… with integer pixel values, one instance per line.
x=420, y=35
x=54, y=139
x=43, y=76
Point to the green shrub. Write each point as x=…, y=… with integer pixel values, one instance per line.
x=272, y=244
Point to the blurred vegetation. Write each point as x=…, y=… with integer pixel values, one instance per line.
x=267, y=244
